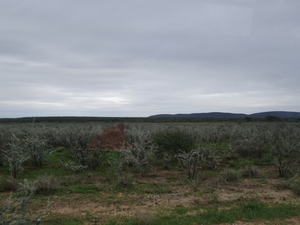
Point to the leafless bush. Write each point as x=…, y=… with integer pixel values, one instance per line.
x=139, y=136
x=218, y=132
x=36, y=148
x=4, y=142
x=251, y=143
x=137, y=156
x=209, y=157
x=190, y=162
x=121, y=165
x=252, y=146
x=284, y=143
x=167, y=160
x=17, y=210
x=78, y=140
x=140, y=157
x=15, y=156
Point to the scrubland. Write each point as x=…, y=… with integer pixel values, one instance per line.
x=173, y=173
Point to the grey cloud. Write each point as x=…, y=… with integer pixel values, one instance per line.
x=145, y=57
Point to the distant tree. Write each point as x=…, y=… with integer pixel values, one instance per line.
x=272, y=118
x=248, y=118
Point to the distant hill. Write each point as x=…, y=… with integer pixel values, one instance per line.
x=222, y=115
x=279, y=114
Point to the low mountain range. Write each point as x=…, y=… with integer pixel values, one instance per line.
x=223, y=115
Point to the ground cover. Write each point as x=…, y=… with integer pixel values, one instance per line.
x=237, y=190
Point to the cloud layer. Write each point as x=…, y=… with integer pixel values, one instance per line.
x=138, y=58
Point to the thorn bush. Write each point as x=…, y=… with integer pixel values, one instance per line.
x=15, y=156
x=77, y=142
x=190, y=162
x=17, y=210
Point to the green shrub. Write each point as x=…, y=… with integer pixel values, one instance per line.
x=173, y=141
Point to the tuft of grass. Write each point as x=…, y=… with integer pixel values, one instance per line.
x=181, y=210
x=229, y=175
x=212, y=197
x=151, y=188
x=48, y=184
x=8, y=184
x=84, y=189
x=251, y=171
x=63, y=220
x=145, y=218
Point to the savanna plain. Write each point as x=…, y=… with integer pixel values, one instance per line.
x=237, y=172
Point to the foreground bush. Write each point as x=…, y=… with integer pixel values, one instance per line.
x=77, y=143
x=190, y=162
x=15, y=156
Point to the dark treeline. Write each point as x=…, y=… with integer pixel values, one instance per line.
x=68, y=119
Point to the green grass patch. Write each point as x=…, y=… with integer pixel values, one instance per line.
x=59, y=153
x=64, y=220
x=143, y=188
x=240, y=163
x=250, y=210
x=82, y=189
x=34, y=173
x=221, y=146
x=152, y=188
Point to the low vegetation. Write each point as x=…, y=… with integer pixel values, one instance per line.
x=172, y=173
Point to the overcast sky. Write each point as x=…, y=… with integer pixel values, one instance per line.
x=145, y=57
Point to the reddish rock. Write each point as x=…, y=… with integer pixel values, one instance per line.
x=111, y=139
